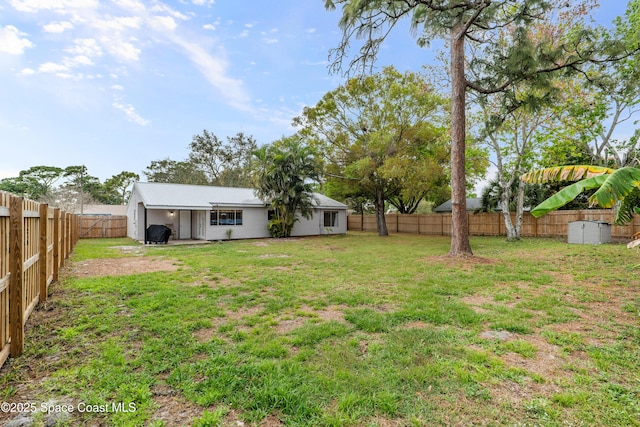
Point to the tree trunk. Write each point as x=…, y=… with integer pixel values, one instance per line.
x=460, y=245
x=508, y=224
x=519, y=207
x=514, y=231
x=380, y=220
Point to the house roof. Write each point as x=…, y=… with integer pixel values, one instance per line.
x=156, y=195
x=472, y=205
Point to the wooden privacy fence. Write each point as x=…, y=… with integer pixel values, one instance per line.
x=103, y=226
x=34, y=242
x=554, y=224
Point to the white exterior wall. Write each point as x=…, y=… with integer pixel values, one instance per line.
x=135, y=218
x=254, y=225
x=315, y=225
x=254, y=222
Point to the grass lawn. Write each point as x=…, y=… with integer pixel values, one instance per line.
x=337, y=331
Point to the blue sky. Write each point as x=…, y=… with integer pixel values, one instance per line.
x=115, y=84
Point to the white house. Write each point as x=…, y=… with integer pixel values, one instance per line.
x=218, y=213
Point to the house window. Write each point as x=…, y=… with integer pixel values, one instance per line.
x=226, y=217
x=330, y=218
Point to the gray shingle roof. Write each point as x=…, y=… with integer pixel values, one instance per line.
x=199, y=197
x=472, y=204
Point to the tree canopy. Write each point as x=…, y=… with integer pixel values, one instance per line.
x=210, y=161
x=496, y=66
x=383, y=136
x=70, y=188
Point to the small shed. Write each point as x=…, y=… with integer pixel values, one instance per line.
x=589, y=232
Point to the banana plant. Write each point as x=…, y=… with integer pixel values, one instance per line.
x=616, y=187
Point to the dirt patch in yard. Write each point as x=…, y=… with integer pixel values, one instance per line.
x=120, y=266
x=464, y=262
x=173, y=409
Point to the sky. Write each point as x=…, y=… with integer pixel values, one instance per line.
x=116, y=84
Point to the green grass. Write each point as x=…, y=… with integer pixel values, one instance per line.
x=343, y=330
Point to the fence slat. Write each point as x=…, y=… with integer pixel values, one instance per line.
x=34, y=241
x=16, y=306
x=554, y=224
x=102, y=226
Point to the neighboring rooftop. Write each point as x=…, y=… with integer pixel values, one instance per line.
x=472, y=204
x=103, y=210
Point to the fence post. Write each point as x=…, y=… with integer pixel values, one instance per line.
x=65, y=236
x=42, y=249
x=16, y=296
x=56, y=243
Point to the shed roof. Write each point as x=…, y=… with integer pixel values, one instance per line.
x=156, y=195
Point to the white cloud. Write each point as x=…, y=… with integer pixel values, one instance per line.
x=119, y=24
x=212, y=26
x=163, y=8
x=203, y=2
x=310, y=30
x=244, y=33
x=267, y=38
x=214, y=70
x=28, y=72
x=87, y=47
x=78, y=60
x=117, y=87
x=57, y=27
x=130, y=111
x=53, y=68
x=162, y=23
x=122, y=50
x=131, y=5
x=56, y=5
x=12, y=41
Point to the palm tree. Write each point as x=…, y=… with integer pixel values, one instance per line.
x=284, y=175
x=615, y=187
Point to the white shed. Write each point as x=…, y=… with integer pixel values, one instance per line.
x=217, y=213
x=589, y=232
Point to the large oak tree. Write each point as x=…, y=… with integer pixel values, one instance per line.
x=383, y=136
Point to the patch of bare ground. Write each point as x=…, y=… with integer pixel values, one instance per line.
x=385, y=422
x=280, y=268
x=418, y=324
x=515, y=395
x=465, y=262
x=244, y=312
x=207, y=334
x=119, y=266
x=133, y=250
x=547, y=362
x=477, y=301
x=213, y=282
x=173, y=409
x=332, y=312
